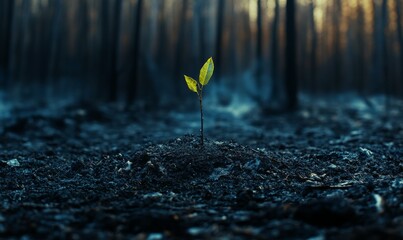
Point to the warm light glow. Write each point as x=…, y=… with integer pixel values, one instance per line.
x=253, y=10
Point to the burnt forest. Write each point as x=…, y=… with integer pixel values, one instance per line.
x=201, y=119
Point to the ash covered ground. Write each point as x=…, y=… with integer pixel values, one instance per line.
x=331, y=170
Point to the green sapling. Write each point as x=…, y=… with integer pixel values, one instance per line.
x=205, y=74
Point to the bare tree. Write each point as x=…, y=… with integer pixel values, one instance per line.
x=400, y=35
x=113, y=73
x=259, y=45
x=180, y=43
x=385, y=50
x=41, y=44
x=132, y=83
x=233, y=55
x=219, y=37
x=104, y=55
x=314, y=45
x=201, y=19
x=6, y=23
x=82, y=47
x=336, y=16
x=162, y=50
x=378, y=39
x=291, y=83
x=55, y=44
x=360, y=37
x=274, y=52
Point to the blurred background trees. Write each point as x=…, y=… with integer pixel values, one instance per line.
x=267, y=51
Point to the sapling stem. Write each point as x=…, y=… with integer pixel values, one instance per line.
x=205, y=74
x=201, y=118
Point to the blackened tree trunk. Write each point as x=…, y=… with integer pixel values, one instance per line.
x=259, y=45
x=360, y=62
x=247, y=31
x=6, y=21
x=53, y=70
x=180, y=44
x=233, y=53
x=377, y=56
x=162, y=50
x=400, y=36
x=14, y=52
x=274, y=53
x=314, y=45
x=201, y=19
x=336, y=83
x=385, y=54
x=104, y=58
x=39, y=45
x=82, y=45
x=114, y=51
x=132, y=84
x=291, y=57
x=26, y=45
x=218, y=39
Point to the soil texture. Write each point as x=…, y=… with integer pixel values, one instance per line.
x=331, y=170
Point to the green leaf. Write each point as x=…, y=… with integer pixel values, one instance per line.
x=192, y=84
x=206, y=72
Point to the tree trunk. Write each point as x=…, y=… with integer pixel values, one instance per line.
x=274, y=54
x=161, y=52
x=114, y=51
x=400, y=36
x=83, y=52
x=385, y=51
x=291, y=56
x=104, y=62
x=377, y=56
x=201, y=19
x=132, y=84
x=360, y=68
x=233, y=53
x=180, y=46
x=55, y=45
x=218, y=40
x=259, y=45
x=337, y=85
x=314, y=45
x=25, y=52
x=6, y=24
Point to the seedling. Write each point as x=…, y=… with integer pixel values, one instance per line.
x=204, y=77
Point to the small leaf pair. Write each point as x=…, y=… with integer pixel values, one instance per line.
x=204, y=77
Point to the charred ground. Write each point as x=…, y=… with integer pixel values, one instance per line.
x=82, y=171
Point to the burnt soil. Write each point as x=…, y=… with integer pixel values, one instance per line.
x=331, y=170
